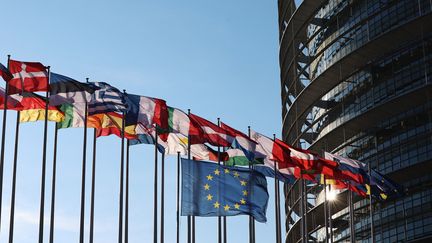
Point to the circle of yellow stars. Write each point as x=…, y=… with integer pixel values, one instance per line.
x=216, y=203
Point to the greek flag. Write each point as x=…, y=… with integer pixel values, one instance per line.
x=106, y=99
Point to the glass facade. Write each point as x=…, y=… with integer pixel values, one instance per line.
x=356, y=81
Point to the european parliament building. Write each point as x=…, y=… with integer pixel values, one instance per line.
x=356, y=81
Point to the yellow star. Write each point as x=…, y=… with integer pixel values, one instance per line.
x=226, y=208
x=236, y=174
x=237, y=206
x=245, y=193
x=243, y=183
x=216, y=204
x=209, y=197
x=227, y=171
x=242, y=201
x=209, y=177
x=217, y=172
x=206, y=187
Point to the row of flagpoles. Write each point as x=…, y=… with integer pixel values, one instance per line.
x=148, y=120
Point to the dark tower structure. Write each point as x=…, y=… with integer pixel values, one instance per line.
x=356, y=80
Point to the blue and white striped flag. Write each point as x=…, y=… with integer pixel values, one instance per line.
x=106, y=99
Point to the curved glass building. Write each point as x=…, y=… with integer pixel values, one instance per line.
x=356, y=81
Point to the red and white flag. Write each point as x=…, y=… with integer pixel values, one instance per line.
x=211, y=133
x=27, y=77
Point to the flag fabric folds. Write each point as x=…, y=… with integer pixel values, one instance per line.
x=5, y=73
x=209, y=132
x=147, y=111
x=242, y=142
x=209, y=190
x=111, y=123
x=27, y=77
x=67, y=90
x=106, y=98
x=73, y=115
x=353, y=169
x=33, y=108
x=12, y=101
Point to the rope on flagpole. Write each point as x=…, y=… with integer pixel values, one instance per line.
x=53, y=186
x=12, y=210
x=3, y=140
x=44, y=153
x=93, y=187
x=83, y=174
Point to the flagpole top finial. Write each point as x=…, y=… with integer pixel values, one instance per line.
x=124, y=91
x=8, y=55
x=188, y=111
x=87, y=80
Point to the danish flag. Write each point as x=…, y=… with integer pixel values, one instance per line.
x=27, y=77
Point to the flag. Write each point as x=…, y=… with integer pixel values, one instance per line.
x=33, y=108
x=210, y=133
x=242, y=142
x=5, y=73
x=74, y=115
x=147, y=111
x=111, y=123
x=209, y=190
x=27, y=77
x=237, y=157
x=353, y=169
x=178, y=121
x=383, y=186
x=106, y=98
x=67, y=90
x=267, y=168
x=268, y=149
x=12, y=101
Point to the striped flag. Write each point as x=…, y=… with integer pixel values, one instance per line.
x=5, y=73
x=67, y=90
x=106, y=99
x=210, y=132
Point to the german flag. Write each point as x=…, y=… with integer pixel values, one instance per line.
x=110, y=123
x=32, y=108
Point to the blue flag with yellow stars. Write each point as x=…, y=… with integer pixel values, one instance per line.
x=209, y=189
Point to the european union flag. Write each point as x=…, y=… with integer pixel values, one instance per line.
x=209, y=189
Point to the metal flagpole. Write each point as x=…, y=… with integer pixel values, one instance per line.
x=83, y=175
x=12, y=210
x=53, y=185
x=371, y=207
x=189, y=240
x=120, y=219
x=276, y=185
x=155, y=190
x=178, y=197
x=126, y=240
x=93, y=185
x=219, y=217
x=330, y=220
x=3, y=140
x=44, y=152
x=300, y=181
x=162, y=197
x=251, y=219
x=351, y=215
x=325, y=210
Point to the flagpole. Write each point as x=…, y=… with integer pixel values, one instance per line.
x=305, y=210
x=120, y=219
x=162, y=198
x=330, y=220
x=3, y=141
x=178, y=197
x=371, y=206
x=93, y=185
x=351, y=215
x=155, y=189
x=83, y=174
x=12, y=211
x=44, y=153
x=251, y=220
x=325, y=210
x=189, y=217
x=127, y=194
x=219, y=217
x=53, y=185
x=276, y=191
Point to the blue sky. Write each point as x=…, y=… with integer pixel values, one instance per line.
x=218, y=58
